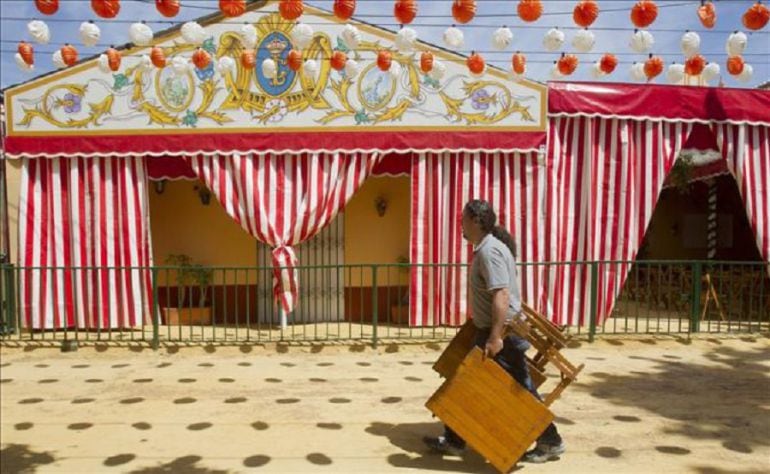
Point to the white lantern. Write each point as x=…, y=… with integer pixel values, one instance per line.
x=502, y=38
x=555, y=73
x=690, y=44
x=145, y=62
x=351, y=68
x=711, y=71
x=675, y=73
x=454, y=38
x=596, y=70
x=553, y=39
x=395, y=69
x=181, y=65
x=39, y=31
x=736, y=43
x=140, y=34
x=225, y=64
x=193, y=33
x=642, y=41
x=310, y=68
x=23, y=64
x=438, y=72
x=747, y=74
x=58, y=61
x=583, y=41
x=104, y=63
x=351, y=36
x=248, y=36
x=637, y=72
x=302, y=35
x=405, y=39
x=269, y=69
x=89, y=33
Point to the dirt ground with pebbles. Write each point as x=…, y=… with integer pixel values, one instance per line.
x=650, y=405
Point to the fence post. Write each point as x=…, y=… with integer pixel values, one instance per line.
x=697, y=272
x=375, y=304
x=594, y=302
x=155, y=311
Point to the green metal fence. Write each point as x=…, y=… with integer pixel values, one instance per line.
x=370, y=303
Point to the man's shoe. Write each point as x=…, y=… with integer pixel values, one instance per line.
x=544, y=453
x=441, y=445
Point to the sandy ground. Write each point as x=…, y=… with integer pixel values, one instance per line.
x=651, y=405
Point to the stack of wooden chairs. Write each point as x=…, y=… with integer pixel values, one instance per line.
x=483, y=404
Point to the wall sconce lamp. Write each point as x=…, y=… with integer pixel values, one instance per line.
x=160, y=186
x=381, y=204
x=203, y=194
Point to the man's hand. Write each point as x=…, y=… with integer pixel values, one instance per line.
x=493, y=347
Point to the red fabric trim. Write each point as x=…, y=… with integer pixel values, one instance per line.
x=393, y=164
x=187, y=144
x=680, y=103
x=169, y=167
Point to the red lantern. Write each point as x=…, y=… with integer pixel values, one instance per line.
x=519, y=63
x=27, y=53
x=530, y=10
x=248, y=59
x=291, y=9
x=475, y=63
x=201, y=58
x=426, y=62
x=344, y=9
x=756, y=17
x=567, y=64
x=735, y=65
x=695, y=65
x=338, y=60
x=113, y=59
x=232, y=8
x=47, y=7
x=69, y=54
x=463, y=11
x=707, y=14
x=653, y=67
x=644, y=13
x=158, y=57
x=384, y=60
x=167, y=8
x=294, y=60
x=608, y=63
x=585, y=13
x=106, y=8
x=405, y=11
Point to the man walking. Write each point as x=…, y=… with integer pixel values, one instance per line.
x=495, y=300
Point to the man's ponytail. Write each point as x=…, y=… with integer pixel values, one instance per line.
x=503, y=236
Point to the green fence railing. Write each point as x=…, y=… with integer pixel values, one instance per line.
x=365, y=303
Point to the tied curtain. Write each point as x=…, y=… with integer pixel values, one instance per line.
x=441, y=185
x=84, y=243
x=284, y=199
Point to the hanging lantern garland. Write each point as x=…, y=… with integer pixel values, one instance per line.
x=707, y=14
x=158, y=57
x=735, y=65
x=736, y=43
x=248, y=59
x=608, y=63
x=140, y=34
x=89, y=33
x=106, y=8
x=567, y=64
x=463, y=11
x=25, y=56
x=232, y=8
x=756, y=17
x=519, y=64
x=476, y=64
x=644, y=13
x=47, y=7
x=201, y=58
x=585, y=13
x=405, y=11
x=69, y=54
x=690, y=43
x=294, y=60
x=502, y=38
x=344, y=9
x=695, y=65
x=426, y=62
x=653, y=67
x=167, y=8
x=384, y=60
x=529, y=10
x=338, y=60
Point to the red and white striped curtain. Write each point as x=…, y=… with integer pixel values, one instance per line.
x=441, y=185
x=84, y=243
x=284, y=199
x=747, y=151
x=604, y=179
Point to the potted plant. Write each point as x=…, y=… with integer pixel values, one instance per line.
x=189, y=276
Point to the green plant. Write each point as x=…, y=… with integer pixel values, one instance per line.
x=681, y=173
x=190, y=274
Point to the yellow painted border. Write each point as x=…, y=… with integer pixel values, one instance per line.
x=382, y=33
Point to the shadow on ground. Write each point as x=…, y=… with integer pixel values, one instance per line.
x=19, y=458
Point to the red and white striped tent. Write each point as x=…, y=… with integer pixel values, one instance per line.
x=283, y=153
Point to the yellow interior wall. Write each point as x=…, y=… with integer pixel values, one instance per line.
x=180, y=224
x=370, y=238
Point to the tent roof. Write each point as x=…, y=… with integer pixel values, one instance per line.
x=651, y=101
